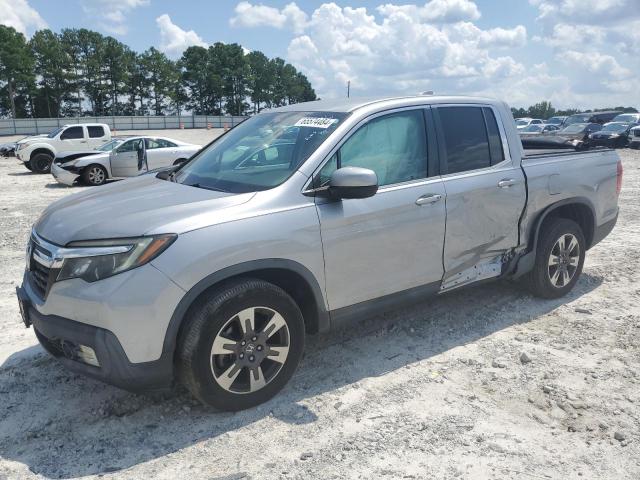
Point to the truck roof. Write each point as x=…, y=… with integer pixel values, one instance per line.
x=354, y=103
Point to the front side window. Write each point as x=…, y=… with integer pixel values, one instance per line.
x=465, y=138
x=394, y=146
x=72, y=133
x=95, y=131
x=261, y=152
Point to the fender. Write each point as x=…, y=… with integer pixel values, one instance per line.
x=41, y=148
x=525, y=262
x=171, y=335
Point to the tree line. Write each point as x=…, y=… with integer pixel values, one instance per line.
x=544, y=110
x=81, y=72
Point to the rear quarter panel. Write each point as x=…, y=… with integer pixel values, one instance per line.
x=591, y=176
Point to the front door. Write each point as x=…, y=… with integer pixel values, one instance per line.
x=486, y=192
x=393, y=241
x=125, y=158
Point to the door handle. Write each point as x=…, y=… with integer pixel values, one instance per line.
x=507, y=182
x=428, y=199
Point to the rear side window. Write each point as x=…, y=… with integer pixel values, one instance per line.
x=72, y=133
x=495, y=142
x=96, y=131
x=465, y=138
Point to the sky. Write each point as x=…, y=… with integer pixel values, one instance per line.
x=574, y=53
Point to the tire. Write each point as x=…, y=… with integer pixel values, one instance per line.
x=546, y=280
x=94, y=175
x=41, y=163
x=247, y=375
x=28, y=165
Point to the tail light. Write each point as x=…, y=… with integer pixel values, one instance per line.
x=619, y=178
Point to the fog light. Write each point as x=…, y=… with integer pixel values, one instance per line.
x=87, y=355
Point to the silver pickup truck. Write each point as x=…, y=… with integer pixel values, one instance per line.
x=300, y=220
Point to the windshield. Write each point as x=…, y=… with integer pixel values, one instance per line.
x=627, y=117
x=55, y=132
x=615, y=127
x=580, y=118
x=261, y=152
x=532, y=128
x=107, y=147
x=575, y=128
x=522, y=123
x=555, y=120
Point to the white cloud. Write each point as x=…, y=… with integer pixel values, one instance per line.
x=173, y=39
x=595, y=63
x=112, y=15
x=250, y=15
x=436, y=11
x=21, y=16
x=589, y=12
x=400, y=51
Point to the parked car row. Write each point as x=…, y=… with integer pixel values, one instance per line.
x=583, y=130
x=87, y=153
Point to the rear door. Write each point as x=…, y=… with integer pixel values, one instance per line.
x=125, y=158
x=485, y=189
x=391, y=242
x=97, y=136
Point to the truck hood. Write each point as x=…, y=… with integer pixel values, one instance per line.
x=32, y=139
x=131, y=208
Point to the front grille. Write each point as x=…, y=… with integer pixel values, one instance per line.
x=40, y=278
x=40, y=275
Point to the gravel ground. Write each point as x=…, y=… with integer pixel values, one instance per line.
x=488, y=382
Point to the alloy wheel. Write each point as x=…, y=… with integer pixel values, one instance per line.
x=96, y=175
x=249, y=350
x=563, y=260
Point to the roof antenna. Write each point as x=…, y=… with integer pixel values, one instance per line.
x=427, y=92
x=348, y=88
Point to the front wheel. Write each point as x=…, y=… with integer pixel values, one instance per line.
x=559, y=258
x=28, y=165
x=41, y=163
x=241, y=345
x=94, y=175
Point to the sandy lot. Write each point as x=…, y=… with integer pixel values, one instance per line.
x=441, y=390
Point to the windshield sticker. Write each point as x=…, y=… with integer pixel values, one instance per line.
x=315, y=122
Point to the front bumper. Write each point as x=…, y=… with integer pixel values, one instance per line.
x=123, y=319
x=63, y=176
x=64, y=338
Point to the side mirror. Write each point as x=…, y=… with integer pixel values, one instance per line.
x=353, y=182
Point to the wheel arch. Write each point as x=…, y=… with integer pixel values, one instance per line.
x=40, y=150
x=291, y=276
x=578, y=209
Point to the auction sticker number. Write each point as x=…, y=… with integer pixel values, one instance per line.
x=316, y=122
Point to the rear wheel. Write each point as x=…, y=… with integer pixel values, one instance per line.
x=94, y=175
x=28, y=165
x=41, y=163
x=559, y=258
x=241, y=345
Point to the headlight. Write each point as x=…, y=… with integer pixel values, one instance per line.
x=98, y=259
x=614, y=135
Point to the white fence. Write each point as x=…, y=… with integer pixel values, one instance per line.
x=34, y=126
